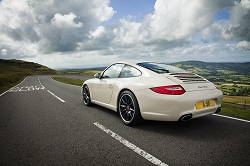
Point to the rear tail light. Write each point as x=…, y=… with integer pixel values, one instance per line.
x=169, y=90
x=216, y=86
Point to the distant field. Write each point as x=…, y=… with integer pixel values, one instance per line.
x=235, y=89
x=84, y=72
x=226, y=72
x=90, y=72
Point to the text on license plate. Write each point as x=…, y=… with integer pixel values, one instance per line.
x=204, y=104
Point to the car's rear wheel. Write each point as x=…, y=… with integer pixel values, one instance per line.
x=128, y=108
x=86, y=95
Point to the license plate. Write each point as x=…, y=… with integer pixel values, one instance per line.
x=204, y=104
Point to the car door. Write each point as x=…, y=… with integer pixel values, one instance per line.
x=102, y=89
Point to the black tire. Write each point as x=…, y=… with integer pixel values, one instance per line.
x=86, y=95
x=128, y=109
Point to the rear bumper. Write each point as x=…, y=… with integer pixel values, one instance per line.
x=160, y=107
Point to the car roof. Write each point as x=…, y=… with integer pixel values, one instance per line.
x=126, y=62
x=136, y=63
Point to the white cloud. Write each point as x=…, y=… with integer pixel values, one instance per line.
x=236, y=28
x=55, y=26
x=97, y=32
x=4, y=51
x=244, y=45
x=65, y=21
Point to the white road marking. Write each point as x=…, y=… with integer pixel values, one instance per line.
x=136, y=149
x=232, y=118
x=56, y=96
x=23, y=89
x=50, y=92
x=40, y=87
x=27, y=88
x=39, y=81
x=14, y=89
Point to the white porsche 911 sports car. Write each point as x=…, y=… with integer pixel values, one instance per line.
x=152, y=91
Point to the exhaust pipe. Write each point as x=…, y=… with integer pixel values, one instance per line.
x=186, y=117
x=218, y=110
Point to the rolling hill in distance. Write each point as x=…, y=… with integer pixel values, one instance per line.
x=210, y=67
x=237, y=73
x=14, y=71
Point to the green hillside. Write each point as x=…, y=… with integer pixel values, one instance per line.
x=233, y=79
x=14, y=71
x=235, y=73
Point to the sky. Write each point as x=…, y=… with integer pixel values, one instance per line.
x=84, y=33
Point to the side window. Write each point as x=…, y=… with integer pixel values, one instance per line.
x=113, y=71
x=129, y=71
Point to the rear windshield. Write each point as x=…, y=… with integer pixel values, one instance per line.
x=161, y=67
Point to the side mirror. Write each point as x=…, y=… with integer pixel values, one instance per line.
x=97, y=75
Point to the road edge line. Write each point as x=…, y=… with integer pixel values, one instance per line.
x=229, y=117
x=64, y=83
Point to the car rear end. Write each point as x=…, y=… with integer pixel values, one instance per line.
x=185, y=96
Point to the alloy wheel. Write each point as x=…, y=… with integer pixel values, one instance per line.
x=127, y=108
x=86, y=95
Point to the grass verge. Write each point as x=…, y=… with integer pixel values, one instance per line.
x=10, y=85
x=233, y=111
x=243, y=100
x=71, y=81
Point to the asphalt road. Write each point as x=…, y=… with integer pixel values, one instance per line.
x=43, y=122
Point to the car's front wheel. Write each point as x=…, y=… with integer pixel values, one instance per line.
x=128, y=108
x=86, y=95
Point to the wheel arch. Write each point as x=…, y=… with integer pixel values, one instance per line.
x=137, y=118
